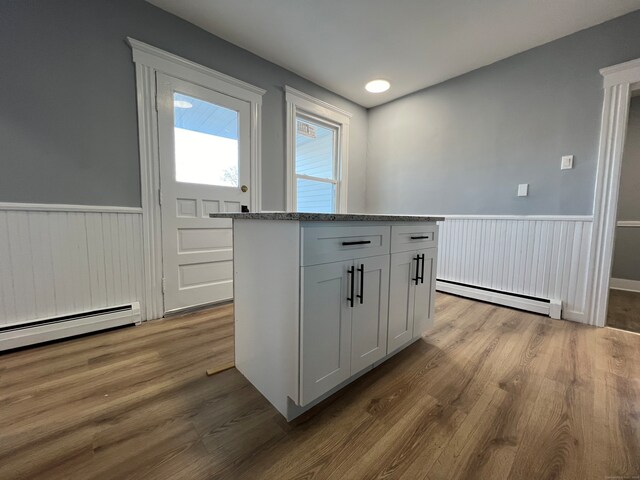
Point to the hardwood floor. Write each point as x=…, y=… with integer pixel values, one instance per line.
x=490, y=393
x=624, y=310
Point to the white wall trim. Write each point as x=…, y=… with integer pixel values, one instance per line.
x=624, y=284
x=149, y=60
x=552, y=218
x=617, y=83
x=628, y=223
x=52, y=207
x=300, y=102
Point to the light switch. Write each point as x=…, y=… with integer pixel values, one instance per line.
x=567, y=162
x=523, y=189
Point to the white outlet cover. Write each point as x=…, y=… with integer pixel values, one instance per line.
x=523, y=190
x=567, y=162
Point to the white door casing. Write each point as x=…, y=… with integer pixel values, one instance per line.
x=149, y=61
x=197, y=250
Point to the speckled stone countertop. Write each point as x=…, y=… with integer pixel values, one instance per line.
x=326, y=217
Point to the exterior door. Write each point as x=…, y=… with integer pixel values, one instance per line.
x=204, y=142
x=424, y=299
x=325, y=328
x=370, y=313
x=401, y=299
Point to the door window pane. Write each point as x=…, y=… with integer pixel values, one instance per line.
x=316, y=197
x=314, y=150
x=206, y=142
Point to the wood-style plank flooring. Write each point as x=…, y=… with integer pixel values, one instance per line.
x=490, y=393
x=624, y=310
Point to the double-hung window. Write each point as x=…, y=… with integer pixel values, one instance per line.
x=317, y=145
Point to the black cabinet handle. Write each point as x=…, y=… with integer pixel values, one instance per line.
x=361, y=296
x=422, y=269
x=351, y=272
x=359, y=242
x=417, y=279
x=421, y=237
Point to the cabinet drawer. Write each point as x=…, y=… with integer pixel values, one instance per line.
x=323, y=244
x=405, y=238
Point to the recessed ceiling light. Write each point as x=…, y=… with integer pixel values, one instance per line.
x=182, y=104
x=377, y=86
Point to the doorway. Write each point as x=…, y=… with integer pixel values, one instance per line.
x=204, y=151
x=624, y=296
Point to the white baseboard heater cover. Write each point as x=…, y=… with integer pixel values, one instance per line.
x=43, y=330
x=544, y=306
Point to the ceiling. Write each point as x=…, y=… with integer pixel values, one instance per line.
x=342, y=44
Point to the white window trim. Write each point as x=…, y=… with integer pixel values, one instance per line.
x=301, y=103
x=150, y=60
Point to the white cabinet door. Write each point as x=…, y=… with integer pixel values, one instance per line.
x=424, y=303
x=401, y=299
x=370, y=314
x=325, y=328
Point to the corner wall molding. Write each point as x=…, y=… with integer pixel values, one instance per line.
x=628, y=223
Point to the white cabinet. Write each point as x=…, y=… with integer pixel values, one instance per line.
x=411, y=296
x=325, y=328
x=319, y=303
x=344, y=313
x=370, y=312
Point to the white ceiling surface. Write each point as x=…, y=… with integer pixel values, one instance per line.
x=342, y=44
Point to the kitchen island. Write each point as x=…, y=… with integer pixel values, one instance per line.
x=320, y=299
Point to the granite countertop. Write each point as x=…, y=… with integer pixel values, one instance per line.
x=326, y=217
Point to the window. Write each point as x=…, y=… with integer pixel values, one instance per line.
x=206, y=142
x=316, y=155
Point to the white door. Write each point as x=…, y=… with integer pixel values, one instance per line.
x=424, y=304
x=326, y=328
x=204, y=139
x=371, y=312
x=401, y=298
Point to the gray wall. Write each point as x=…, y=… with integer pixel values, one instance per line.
x=68, y=127
x=626, y=257
x=461, y=147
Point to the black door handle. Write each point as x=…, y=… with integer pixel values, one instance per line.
x=422, y=269
x=359, y=242
x=417, y=279
x=351, y=272
x=420, y=237
x=361, y=296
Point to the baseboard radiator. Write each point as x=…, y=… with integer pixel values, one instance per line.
x=544, y=306
x=43, y=330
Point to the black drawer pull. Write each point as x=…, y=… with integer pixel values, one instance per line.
x=421, y=237
x=351, y=272
x=361, y=296
x=417, y=279
x=359, y=242
x=422, y=269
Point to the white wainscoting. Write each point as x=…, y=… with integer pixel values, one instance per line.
x=539, y=256
x=64, y=259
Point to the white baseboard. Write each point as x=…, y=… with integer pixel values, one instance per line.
x=552, y=309
x=623, y=284
x=30, y=335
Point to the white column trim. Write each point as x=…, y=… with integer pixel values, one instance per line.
x=617, y=83
x=148, y=61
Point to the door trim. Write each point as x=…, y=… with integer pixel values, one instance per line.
x=148, y=61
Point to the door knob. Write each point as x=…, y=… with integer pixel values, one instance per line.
x=244, y=188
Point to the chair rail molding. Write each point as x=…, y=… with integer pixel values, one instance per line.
x=618, y=82
x=148, y=61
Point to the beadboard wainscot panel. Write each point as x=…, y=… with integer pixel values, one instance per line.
x=65, y=259
x=539, y=256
